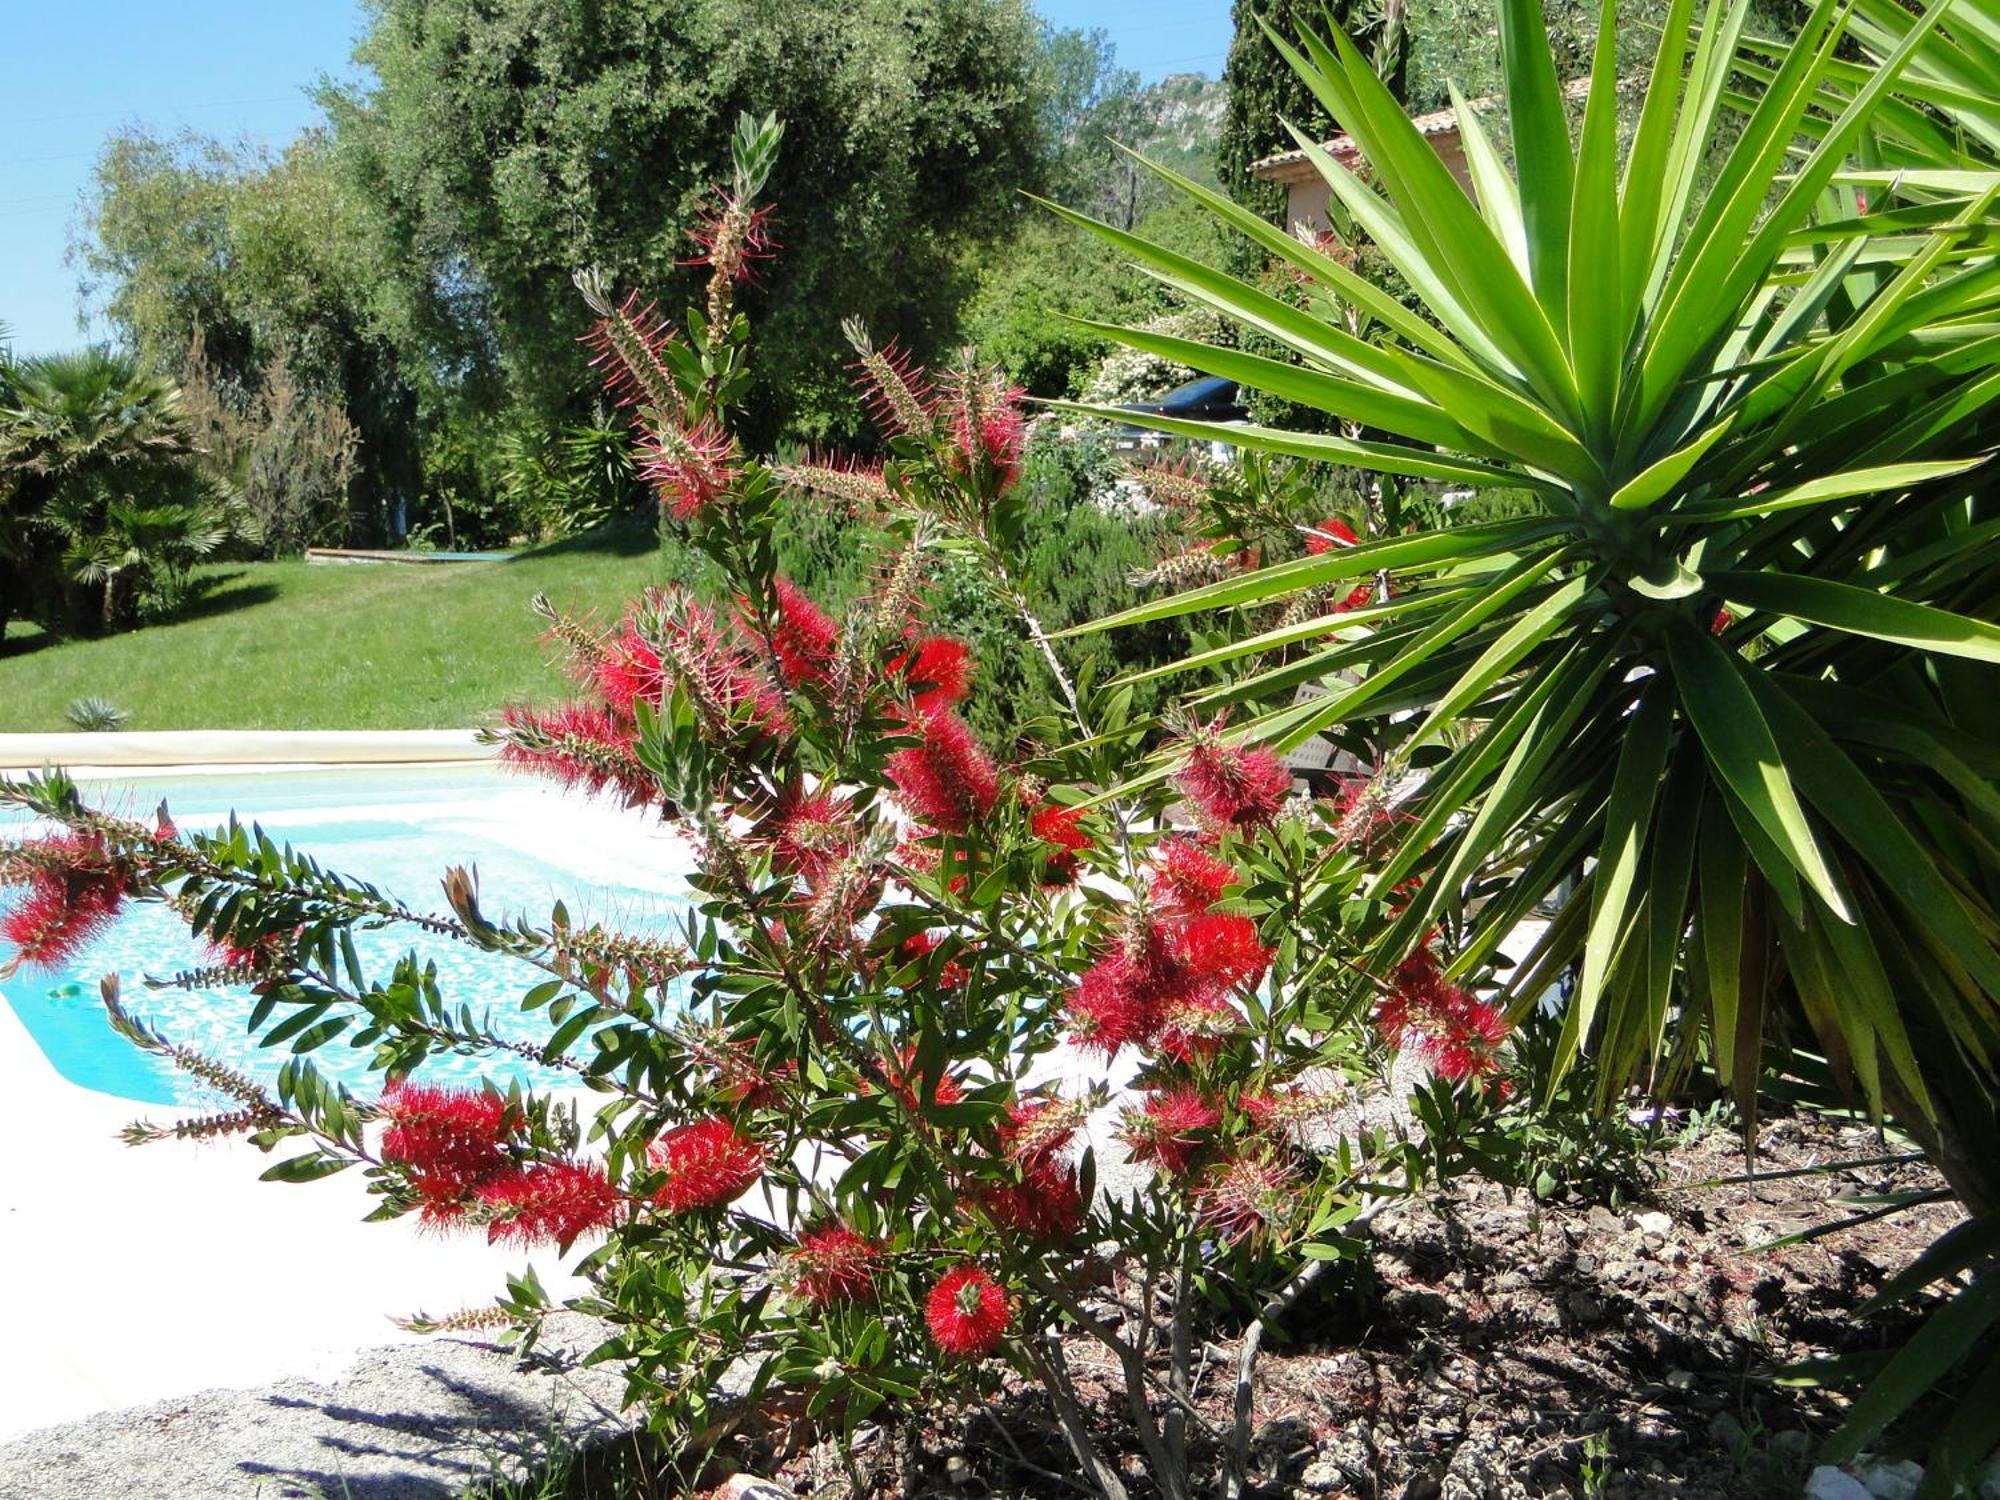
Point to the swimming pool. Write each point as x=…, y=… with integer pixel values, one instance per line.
x=398, y=828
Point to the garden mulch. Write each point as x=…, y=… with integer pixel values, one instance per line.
x=1504, y=1348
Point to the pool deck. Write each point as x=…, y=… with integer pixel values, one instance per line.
x=139, y=1274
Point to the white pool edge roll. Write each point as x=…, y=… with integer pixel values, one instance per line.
x=238, y=749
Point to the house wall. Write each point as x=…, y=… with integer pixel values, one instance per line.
x=1306, y=196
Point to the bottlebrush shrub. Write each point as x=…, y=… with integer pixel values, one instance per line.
x=845, y=1126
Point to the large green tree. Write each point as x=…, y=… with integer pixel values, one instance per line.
x=504, y=143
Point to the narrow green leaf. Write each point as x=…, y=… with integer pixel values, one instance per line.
x=1859, y=611
x=1745, y=756
x=1541, y=145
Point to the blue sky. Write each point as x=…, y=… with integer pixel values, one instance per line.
x=238, y=69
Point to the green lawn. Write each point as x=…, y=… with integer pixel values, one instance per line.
x=286, y=646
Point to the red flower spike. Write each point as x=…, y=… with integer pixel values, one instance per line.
x=708, y=1163
x=732, y=237
x=1232, y=786
x=1061, y=826
x=628, y=348
x=809, y=834
x=1247, y=1197
x=1328, y=534
x=987, y=428
x=73, y=891
x=1453, y=1030
x=804, y=638
x=560, y=1201
x=1187, y=880
x=1037, y=1129
x=967, y=1312
x=1170, y=1128
x=1115, y=1004
x=576, y=745
x=834, y=1265
x=945, y=780
x=1221, y=946
x=907, y=1085
x=937, y=672
x=898, y=393
x=448, y=1141
x=1193, y=1028
x=689, y=468
x=1046, y=1205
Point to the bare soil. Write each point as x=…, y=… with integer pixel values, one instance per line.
x=1503, y=1349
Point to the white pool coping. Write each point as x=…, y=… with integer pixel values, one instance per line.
x=191, y=751
x=153, y=1272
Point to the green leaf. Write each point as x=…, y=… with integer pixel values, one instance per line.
x=1746, y=757
x=1951, y=1333
x=1541, y=144
x=1883, y=480
x=1859, y=611
x=307, y=1168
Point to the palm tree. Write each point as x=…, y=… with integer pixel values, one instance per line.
x=105, y=508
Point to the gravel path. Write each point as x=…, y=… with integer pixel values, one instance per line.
x=407, y=1423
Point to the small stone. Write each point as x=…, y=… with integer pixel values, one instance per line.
x=1603, y=1219
x=1989, y=1480
x=1322, y=1476
x=1681, y=1380
x=957, y=1471
x=1586, y=1265
x=1653, y=1223
x=1891, y=1481
x=1725, y=1429
x=1829, y=1483
x=750, y=1487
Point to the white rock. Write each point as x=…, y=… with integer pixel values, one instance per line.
x=1653, y=1223
x=1989, y=1481
x=1891, y=1481
x=1829, y=1483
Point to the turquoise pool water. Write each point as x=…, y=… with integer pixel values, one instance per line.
x=398, y=828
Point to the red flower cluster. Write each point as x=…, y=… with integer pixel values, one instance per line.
x=1450, y=1028
x=72, y=891
x=1363, y=813
x=708, y=1163
x=1168, y=984
x=809, y=833
x=1037, y=1129
x=731, y=236
x=967, y=1312
x=1230, y=786
x=1063, y=827
x=944, y=780
x=834, y=1264
x=449, y=1142
x=629, y=351
x=1171, y=1126
x=907, y=1084
x=1046, y=1204
x=553, y=1200
x=898, y=393
x=987, y=430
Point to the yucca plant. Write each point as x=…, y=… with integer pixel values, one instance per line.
x=1736, y=669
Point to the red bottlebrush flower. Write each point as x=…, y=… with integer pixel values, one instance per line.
x=1358, y=597
x=1247, y=1197
x=731, y=236
x=628, y=347
x=1221, y=946
x=944, y=780
x=1118, y=1001
x=833, y=1265
x=1037, y=1129
x=1450, y=1028
x=628, y=671
x=1363, y=814
x=809, y=833
x=919, y=945
x=1194, y=1026
x=1187, y=880
x=576, y=745
x=708, y=1163
x=1278, y=1109
x=713, y=664
x=689, y=467
x=557, y=1200
x=1722, y=621
x=1061, y=826
x=1229, y=785
x=987, y=429
x=1328, y=534
x=1170, y=1128
x=967, y=1312
x=804, y=638
x=898, y=393
x=73, y=891
x=1046, y=1205
x=937, y=671
x=448, y=1141
x=857, y=487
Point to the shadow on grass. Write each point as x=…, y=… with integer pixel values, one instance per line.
x=209, y=595
x=627, y=537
